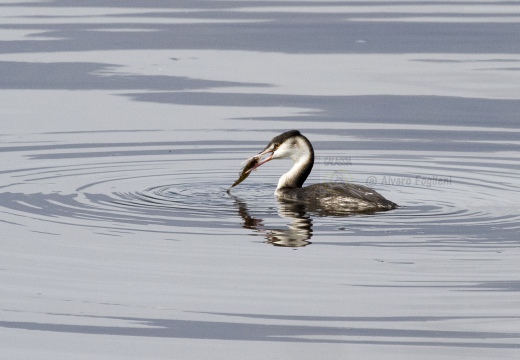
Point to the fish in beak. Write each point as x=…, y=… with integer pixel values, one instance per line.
x=259, y=157
x=253, y=163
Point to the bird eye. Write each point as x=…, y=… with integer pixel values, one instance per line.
x=276, y=145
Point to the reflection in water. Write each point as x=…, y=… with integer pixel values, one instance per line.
x=297, y=233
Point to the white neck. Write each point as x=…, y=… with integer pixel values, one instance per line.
x=303, y=157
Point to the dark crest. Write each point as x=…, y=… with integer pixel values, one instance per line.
x=286, y=135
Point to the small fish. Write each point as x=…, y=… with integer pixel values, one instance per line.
x=246, y=170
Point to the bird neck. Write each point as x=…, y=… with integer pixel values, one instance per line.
x=303, y=163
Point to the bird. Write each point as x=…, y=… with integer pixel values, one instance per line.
x=331, y=197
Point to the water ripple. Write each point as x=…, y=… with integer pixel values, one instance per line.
x=472, y=198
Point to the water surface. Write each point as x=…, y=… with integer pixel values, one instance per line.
x=125, y=124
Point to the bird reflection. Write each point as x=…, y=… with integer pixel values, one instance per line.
x=299, y=229
x=297, y=233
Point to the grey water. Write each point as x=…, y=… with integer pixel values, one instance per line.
x=124, y=124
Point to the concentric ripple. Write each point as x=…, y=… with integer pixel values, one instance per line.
x=460, y=199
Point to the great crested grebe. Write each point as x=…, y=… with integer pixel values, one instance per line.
x=338, y=196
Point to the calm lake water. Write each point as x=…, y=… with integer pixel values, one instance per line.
x=124, y=124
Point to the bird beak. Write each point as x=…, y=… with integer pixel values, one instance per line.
x=259, y=156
